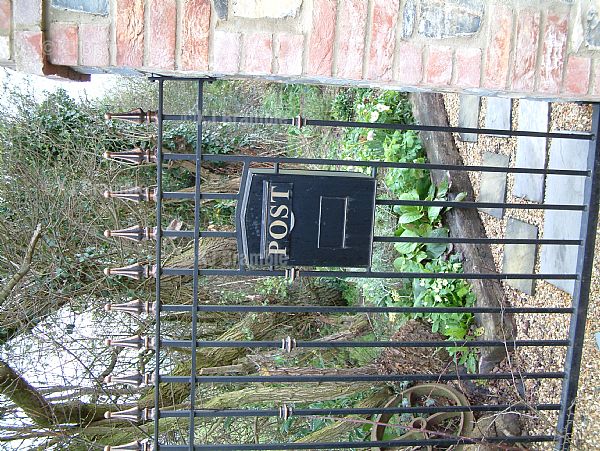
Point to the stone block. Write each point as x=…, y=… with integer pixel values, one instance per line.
x=130, y=33
x=29, y=52
x=95, y=42
x=563, y=225
x=440, y=19
x=99, y=7
x=258, y=53
x=577, y=75
x=526, y=50
x=553, y=53
x=163, y=25
x=531, y=152
x=322, y=37
x=592, y=29
x=520, y=258
x=439, y=65
x=383, y=39
x=5, y=16
x=27, y=13
x=410, y=72
x=272, y=9
x=352, y=25
x=468, y=116
x=291, y=49
x=221, y=8
x=492, y=187
x=63, y=48
x=498, y=48
x=5, y=52
x=468, y=67
x=195, y=35
x=499, y=113
x=226, y=52
x=409, y=15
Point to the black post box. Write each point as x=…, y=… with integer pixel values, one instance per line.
x=306, y=218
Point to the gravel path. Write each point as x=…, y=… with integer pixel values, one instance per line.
x=587, y=432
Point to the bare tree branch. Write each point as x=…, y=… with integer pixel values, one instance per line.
x=24, y=268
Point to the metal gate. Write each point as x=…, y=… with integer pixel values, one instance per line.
x=362, y=268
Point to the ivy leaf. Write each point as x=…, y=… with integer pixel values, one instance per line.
x=409, y=217
x=407, y=248
x=435, y=250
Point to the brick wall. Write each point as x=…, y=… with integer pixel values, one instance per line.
x=548, y=49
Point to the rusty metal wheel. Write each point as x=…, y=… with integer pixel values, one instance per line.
x=442, y=395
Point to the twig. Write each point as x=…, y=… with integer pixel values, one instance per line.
x=25, y=266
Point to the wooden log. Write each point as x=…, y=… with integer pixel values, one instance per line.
x=429, y=109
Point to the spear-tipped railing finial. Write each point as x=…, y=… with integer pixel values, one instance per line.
x=137, y=271
x=136, y=194
x=137, y=116
x=135, y=307
x=135, y=156
x=134, y=342
x=135, y=415
x=138, y=445
x=137, y=379
x=134, y=233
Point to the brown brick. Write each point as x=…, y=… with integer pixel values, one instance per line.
x=577, y=75
x=130, y=33
x=196, y=28
x=439, y=65
x=351, y=38
x=410, y=69
x=258, y=53
x=495, y=72
x=383, y=31
x=291, y=48
x=553, y=53
x=94, y=45
x=5, y=16
x=322, y=36
x=526, y=49
x=468, y=67
x=163, y=25
x=226, y=52
x=63, y=44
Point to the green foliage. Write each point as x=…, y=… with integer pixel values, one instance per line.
x=412, y=221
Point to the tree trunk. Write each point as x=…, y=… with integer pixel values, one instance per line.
x=429, y=109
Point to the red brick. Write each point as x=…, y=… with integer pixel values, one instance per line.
x=226, y=52
x=320, y=45
x=526, y=49
x=63, y=44
x=163, y=25
x=29, y=52
x=577, y=75
x=291, y=48
x=5, y=16
x=468, y=67
x=196, y=28
x=439, y=65
x=383, y=30
x=95, y=42
x=351, y=38
x=130, y=33
x=410, y=69
x=498, y=48
x=258, y=53
x=553, y=53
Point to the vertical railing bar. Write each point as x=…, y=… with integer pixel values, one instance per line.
x=157, y=305
x=581, y=297
x=195, y=282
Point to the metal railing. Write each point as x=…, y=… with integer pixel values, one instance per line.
x=577, y=311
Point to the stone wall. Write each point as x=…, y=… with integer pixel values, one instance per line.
x=547, y=48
